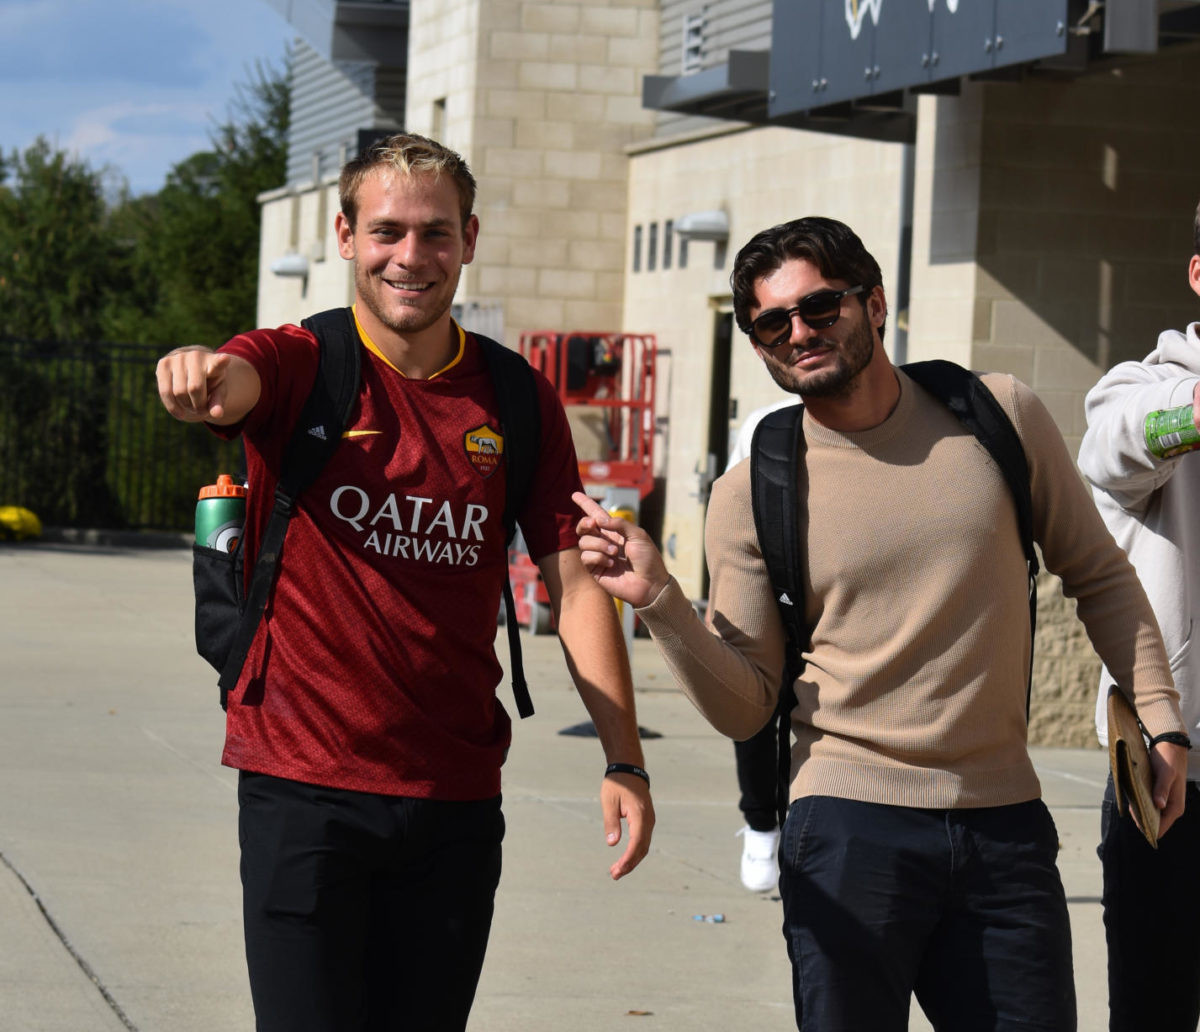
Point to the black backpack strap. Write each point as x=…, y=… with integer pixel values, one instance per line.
x=520, y=426
x=776, y=463
x=316, y=437
x=978, y=410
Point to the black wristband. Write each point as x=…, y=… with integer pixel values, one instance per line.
x=1172, y=738
x=627, y=768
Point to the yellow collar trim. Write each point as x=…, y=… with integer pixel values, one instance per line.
x=374, y=348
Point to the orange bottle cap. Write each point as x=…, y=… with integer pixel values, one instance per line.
x=225, y=487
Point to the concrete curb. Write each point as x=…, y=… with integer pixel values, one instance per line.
x=101, y=537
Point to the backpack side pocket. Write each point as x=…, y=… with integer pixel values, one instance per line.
x=217, y=582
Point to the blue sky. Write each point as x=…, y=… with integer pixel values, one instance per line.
x=129, y=85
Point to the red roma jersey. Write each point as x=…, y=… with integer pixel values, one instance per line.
x=374, y=668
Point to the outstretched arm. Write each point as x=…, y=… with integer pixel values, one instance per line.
x=197, y=384
x=595, y=651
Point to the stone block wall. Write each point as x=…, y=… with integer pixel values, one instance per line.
x=1054, y=225
x=541, y=98
x=1066, y=673
x=298, y=220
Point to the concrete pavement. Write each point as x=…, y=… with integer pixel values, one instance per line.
x=119, y=894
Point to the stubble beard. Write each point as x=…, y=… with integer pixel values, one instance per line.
x=851, y=358
x=403, y=316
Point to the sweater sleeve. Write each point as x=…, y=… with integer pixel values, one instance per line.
x=1078, y=548
x=731, y=668
x=1114, y=455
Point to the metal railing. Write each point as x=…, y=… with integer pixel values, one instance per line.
x=85, y=442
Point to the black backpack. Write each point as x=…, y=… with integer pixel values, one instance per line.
x=776, y=464
x=227, y=617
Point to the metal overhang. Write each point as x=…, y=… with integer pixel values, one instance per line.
x=351, y=30
x=741, y=89
x=734, y=90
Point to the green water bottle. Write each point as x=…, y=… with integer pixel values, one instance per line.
x=220, y=514
x=1171, y=432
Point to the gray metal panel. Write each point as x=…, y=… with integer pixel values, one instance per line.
x=963, y=38
x=329, y=105
x=729, y=25
x=744, y=77
x=847, y=49
x=838, y=45
x=313, y=19
x=903, y=42
x=737, y=25
x=371, y=32
x=1029, y=29
x=1131, y=26
x=391, y=88
x=670, y=35
x=796, y=56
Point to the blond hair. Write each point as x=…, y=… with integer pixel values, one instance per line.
x=406, y=154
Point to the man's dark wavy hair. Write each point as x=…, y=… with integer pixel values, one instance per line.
x=1196, y=232
x=832, y=246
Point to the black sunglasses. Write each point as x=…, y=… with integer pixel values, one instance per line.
x=819, y=310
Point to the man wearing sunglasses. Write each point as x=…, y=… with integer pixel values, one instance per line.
x=917, y=855
x=1149, y=503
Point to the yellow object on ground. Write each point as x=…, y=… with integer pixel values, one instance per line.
x=18, y=523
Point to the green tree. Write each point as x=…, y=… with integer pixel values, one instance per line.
x=58, y=262
x=59, y=268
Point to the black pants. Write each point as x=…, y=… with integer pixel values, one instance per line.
x=1152, y=920
x=364, y=912
x=964, y=908
x=758, y=775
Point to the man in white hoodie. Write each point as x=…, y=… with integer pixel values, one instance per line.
x=1152, y=507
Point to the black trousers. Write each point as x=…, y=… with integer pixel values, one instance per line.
x=757, y=775
x=361, y=911
x=964, y=908
x=1152, y=920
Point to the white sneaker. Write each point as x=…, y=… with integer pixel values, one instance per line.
x=760, y=859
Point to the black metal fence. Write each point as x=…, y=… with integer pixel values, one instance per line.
x=85, y=442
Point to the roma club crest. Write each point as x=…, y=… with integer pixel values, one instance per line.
x=484, y=447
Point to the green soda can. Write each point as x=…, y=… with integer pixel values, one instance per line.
x=220, y=514
x=1171, y=432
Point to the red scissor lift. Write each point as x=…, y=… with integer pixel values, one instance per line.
x=606, y=384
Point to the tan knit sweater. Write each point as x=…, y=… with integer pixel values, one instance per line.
x=913, y=692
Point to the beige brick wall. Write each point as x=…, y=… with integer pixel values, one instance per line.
x=1066, y=673
x=299, y=220
x=1053, y=225
x=542, y=99
x=1085, y=216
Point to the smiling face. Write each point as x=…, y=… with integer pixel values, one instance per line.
x=408, y=245
x=822, y=363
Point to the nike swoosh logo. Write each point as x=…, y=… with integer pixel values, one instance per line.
x=361, y=433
